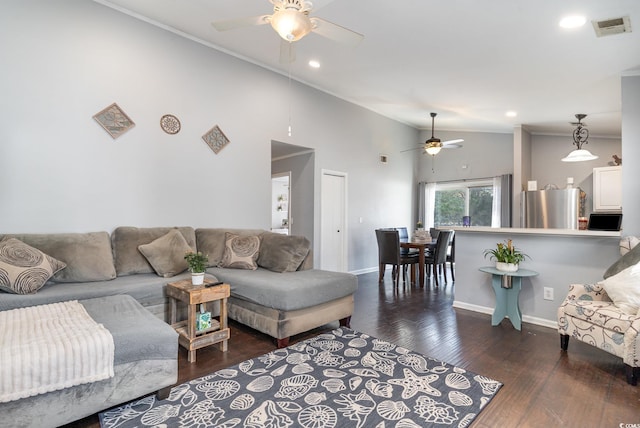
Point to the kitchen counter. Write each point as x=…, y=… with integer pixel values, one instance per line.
x=560, y=256
x=535, y=231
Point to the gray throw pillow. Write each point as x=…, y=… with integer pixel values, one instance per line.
x=240, y=252
x=628, y=260
x=166, y=254
x=24, y=269
x=88, y=255
x=282, y=253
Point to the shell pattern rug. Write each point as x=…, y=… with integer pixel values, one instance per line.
x=338, y=379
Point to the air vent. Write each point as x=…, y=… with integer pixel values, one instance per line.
x=609, y=27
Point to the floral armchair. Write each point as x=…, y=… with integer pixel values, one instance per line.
x=589, y=315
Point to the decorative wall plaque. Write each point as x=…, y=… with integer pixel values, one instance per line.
x=114, y=120
x=170, y=124
x=215, y=139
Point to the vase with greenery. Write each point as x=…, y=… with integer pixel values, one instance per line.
x=506, y=255
x=197, y=263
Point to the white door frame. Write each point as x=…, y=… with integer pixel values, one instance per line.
x=344, y=231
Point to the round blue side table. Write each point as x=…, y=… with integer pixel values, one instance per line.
x=507, y=286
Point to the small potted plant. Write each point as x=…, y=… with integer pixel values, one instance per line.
x=419, y=225
x=507, y=256
x=197, y=265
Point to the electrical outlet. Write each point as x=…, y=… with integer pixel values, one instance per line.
x=548, y=293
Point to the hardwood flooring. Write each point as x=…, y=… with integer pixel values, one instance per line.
x=543, y=386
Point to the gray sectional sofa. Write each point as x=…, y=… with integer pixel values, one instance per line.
x=281, y=297
x=280, y=304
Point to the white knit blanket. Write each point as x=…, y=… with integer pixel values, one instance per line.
x=50, y=347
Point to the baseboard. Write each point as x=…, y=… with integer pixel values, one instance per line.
x=489, y=311
x=365, y=270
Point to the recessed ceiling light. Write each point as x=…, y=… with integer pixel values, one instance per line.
x=314, y=64
x=511, y=113
x=574, y=21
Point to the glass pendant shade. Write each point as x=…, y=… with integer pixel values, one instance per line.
x=291, y=24
x=579, y=155
x=433, y=148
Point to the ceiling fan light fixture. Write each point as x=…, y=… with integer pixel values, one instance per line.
x=291, y=24
x=433, y=147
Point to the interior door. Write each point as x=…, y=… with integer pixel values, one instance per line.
x=333, y=244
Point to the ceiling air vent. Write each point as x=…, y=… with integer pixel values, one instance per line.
x=609, y=27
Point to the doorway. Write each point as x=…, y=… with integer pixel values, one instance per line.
x=333, y=215
x=280, y=202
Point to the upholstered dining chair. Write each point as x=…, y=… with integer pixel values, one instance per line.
x=438, y=257
x=403, y=234
x=389, y=254
x=451, y=255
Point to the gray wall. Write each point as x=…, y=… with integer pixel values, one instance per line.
x=630, y=154
x=547, y=168
x=559, y=260
x=484, y=154
x=302, y=184
x=64, y=61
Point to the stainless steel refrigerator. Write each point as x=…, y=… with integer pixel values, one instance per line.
x=551, y=209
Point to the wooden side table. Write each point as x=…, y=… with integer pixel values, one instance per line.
x=194, y=295
x=507, y=304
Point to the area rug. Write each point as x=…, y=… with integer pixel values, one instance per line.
x=338, y=379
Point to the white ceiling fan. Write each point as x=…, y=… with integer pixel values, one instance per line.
x=292, y=22
x=433, y=145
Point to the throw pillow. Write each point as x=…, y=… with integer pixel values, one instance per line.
x=629, y=259
x=282, y=253
x=624, y=289
x=166, y=254
x=24, y=269
x=240, y=252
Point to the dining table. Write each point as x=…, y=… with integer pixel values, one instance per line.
x=422, y=247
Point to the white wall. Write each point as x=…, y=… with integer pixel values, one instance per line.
x=64, y=61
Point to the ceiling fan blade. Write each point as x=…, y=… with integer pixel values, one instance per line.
x=452, y=144
x=287, y=52
x=421, y=146
x=335, y=32
x=232, y=24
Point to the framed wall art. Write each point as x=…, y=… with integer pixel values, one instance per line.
x=215, y=139
x=114, y=120
x=170, y=124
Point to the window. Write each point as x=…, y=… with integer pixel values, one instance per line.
x=484, y=201
x=455, y=200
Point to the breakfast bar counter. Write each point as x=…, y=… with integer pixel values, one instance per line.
x=560, y=256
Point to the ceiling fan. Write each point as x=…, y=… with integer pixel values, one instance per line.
x=291, y=20
x=433, y=145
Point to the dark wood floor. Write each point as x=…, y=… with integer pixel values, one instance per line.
x=543, y=386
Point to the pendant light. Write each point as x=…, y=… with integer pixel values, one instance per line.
x=580, y=136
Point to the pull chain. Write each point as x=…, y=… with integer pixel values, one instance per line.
x=290, y=95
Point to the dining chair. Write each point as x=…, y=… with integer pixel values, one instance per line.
x=451, y=255
x=389, y=254
x=403, y=234
x=438, y=258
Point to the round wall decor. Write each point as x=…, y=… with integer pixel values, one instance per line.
x=170, y=124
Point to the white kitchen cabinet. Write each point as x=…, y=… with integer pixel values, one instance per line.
x=607, y=188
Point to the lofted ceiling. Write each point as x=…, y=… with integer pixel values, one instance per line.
x=468, y=60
